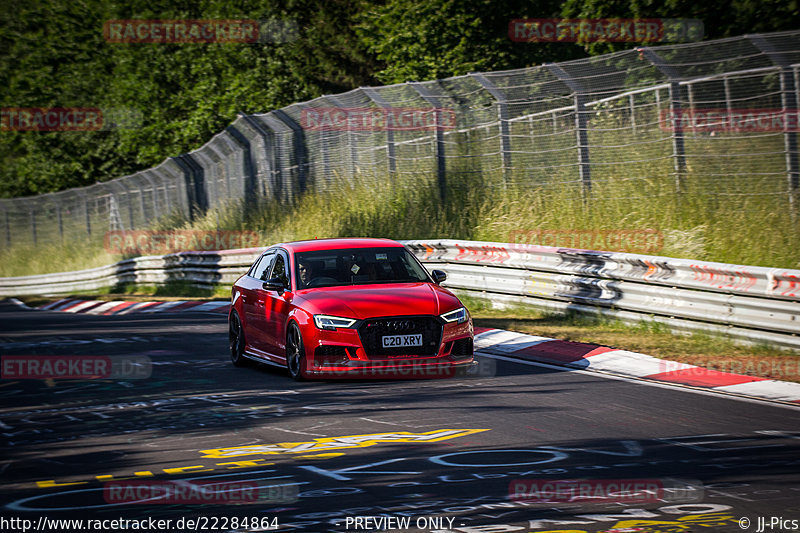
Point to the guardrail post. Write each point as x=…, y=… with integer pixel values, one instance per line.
x=788, y=93
x=678, y=148
x=502, y=116
x=250, y=196
x=375, y=96
x=439, y=151
x=581, y=123
x=299, y=141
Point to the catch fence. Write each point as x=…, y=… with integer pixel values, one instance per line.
x=717, y=117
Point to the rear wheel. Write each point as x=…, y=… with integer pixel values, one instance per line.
x=236, y=339
x=295, y=353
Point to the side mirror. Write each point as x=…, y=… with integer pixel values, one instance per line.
x=438, y=276
x=274, y=284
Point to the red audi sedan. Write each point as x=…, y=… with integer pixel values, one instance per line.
x=348, y=308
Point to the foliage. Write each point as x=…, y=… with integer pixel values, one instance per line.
x=442, y=38
x=725, y=18
x=56, y=56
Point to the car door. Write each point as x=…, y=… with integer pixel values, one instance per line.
x=278, y=304
x=253, y=303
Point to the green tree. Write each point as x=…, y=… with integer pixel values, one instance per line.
x=725, y=18
x=425, y=40
x=55, y=55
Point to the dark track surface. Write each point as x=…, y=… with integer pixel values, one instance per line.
x=539, y=422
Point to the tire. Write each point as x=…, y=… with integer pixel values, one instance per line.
x=295, y=353
x=236, y=340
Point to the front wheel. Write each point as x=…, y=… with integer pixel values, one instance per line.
x=295, y=353
x=236, y=340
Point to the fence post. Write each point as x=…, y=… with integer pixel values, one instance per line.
x=267, y=135
x=323, y=136
x=8, y=227
x=581, y=123
x=678, y=148
x=375, y=96
x=249, y=192
x=193, y=175
x=86, y=214
x=130, y=205
x=142, y=205
x=156, y=209
x=299, y=141
x=350, y=139
x=33, y=225
x=439, y=151
x=114, y=218
x=60, y=221
x=502, y=115
x=788, y=93
x=727, y=86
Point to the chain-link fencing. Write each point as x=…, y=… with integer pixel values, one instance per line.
x=719, y=117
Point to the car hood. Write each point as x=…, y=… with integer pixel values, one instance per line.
x=365, y=301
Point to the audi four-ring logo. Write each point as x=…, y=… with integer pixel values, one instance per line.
x=400, y=325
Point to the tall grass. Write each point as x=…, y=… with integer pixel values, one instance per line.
x=723, y=207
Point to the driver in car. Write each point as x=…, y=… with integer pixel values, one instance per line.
x=306, y=271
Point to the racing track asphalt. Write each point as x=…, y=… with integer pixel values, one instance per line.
x=63, y=441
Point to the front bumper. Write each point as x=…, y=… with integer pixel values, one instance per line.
x=342, y=354
x=393, y=370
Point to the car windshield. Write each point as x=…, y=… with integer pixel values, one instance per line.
x=356, y=266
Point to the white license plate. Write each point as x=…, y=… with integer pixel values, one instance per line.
x=401, y=341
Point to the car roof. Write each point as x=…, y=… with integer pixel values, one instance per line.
x=338, y=244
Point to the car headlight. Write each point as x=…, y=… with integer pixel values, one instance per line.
x=459, y=316
x=332, y=322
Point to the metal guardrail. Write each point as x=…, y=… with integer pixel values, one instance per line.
x=750, y=303
x=203, y=269
x=756, y=304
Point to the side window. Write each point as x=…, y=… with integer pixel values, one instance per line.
x=281, y=269
x=261, y=270
x=254, y=266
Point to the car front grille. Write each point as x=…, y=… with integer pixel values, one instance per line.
x=372, y=330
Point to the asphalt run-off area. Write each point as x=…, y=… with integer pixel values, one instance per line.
x=516, y=446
